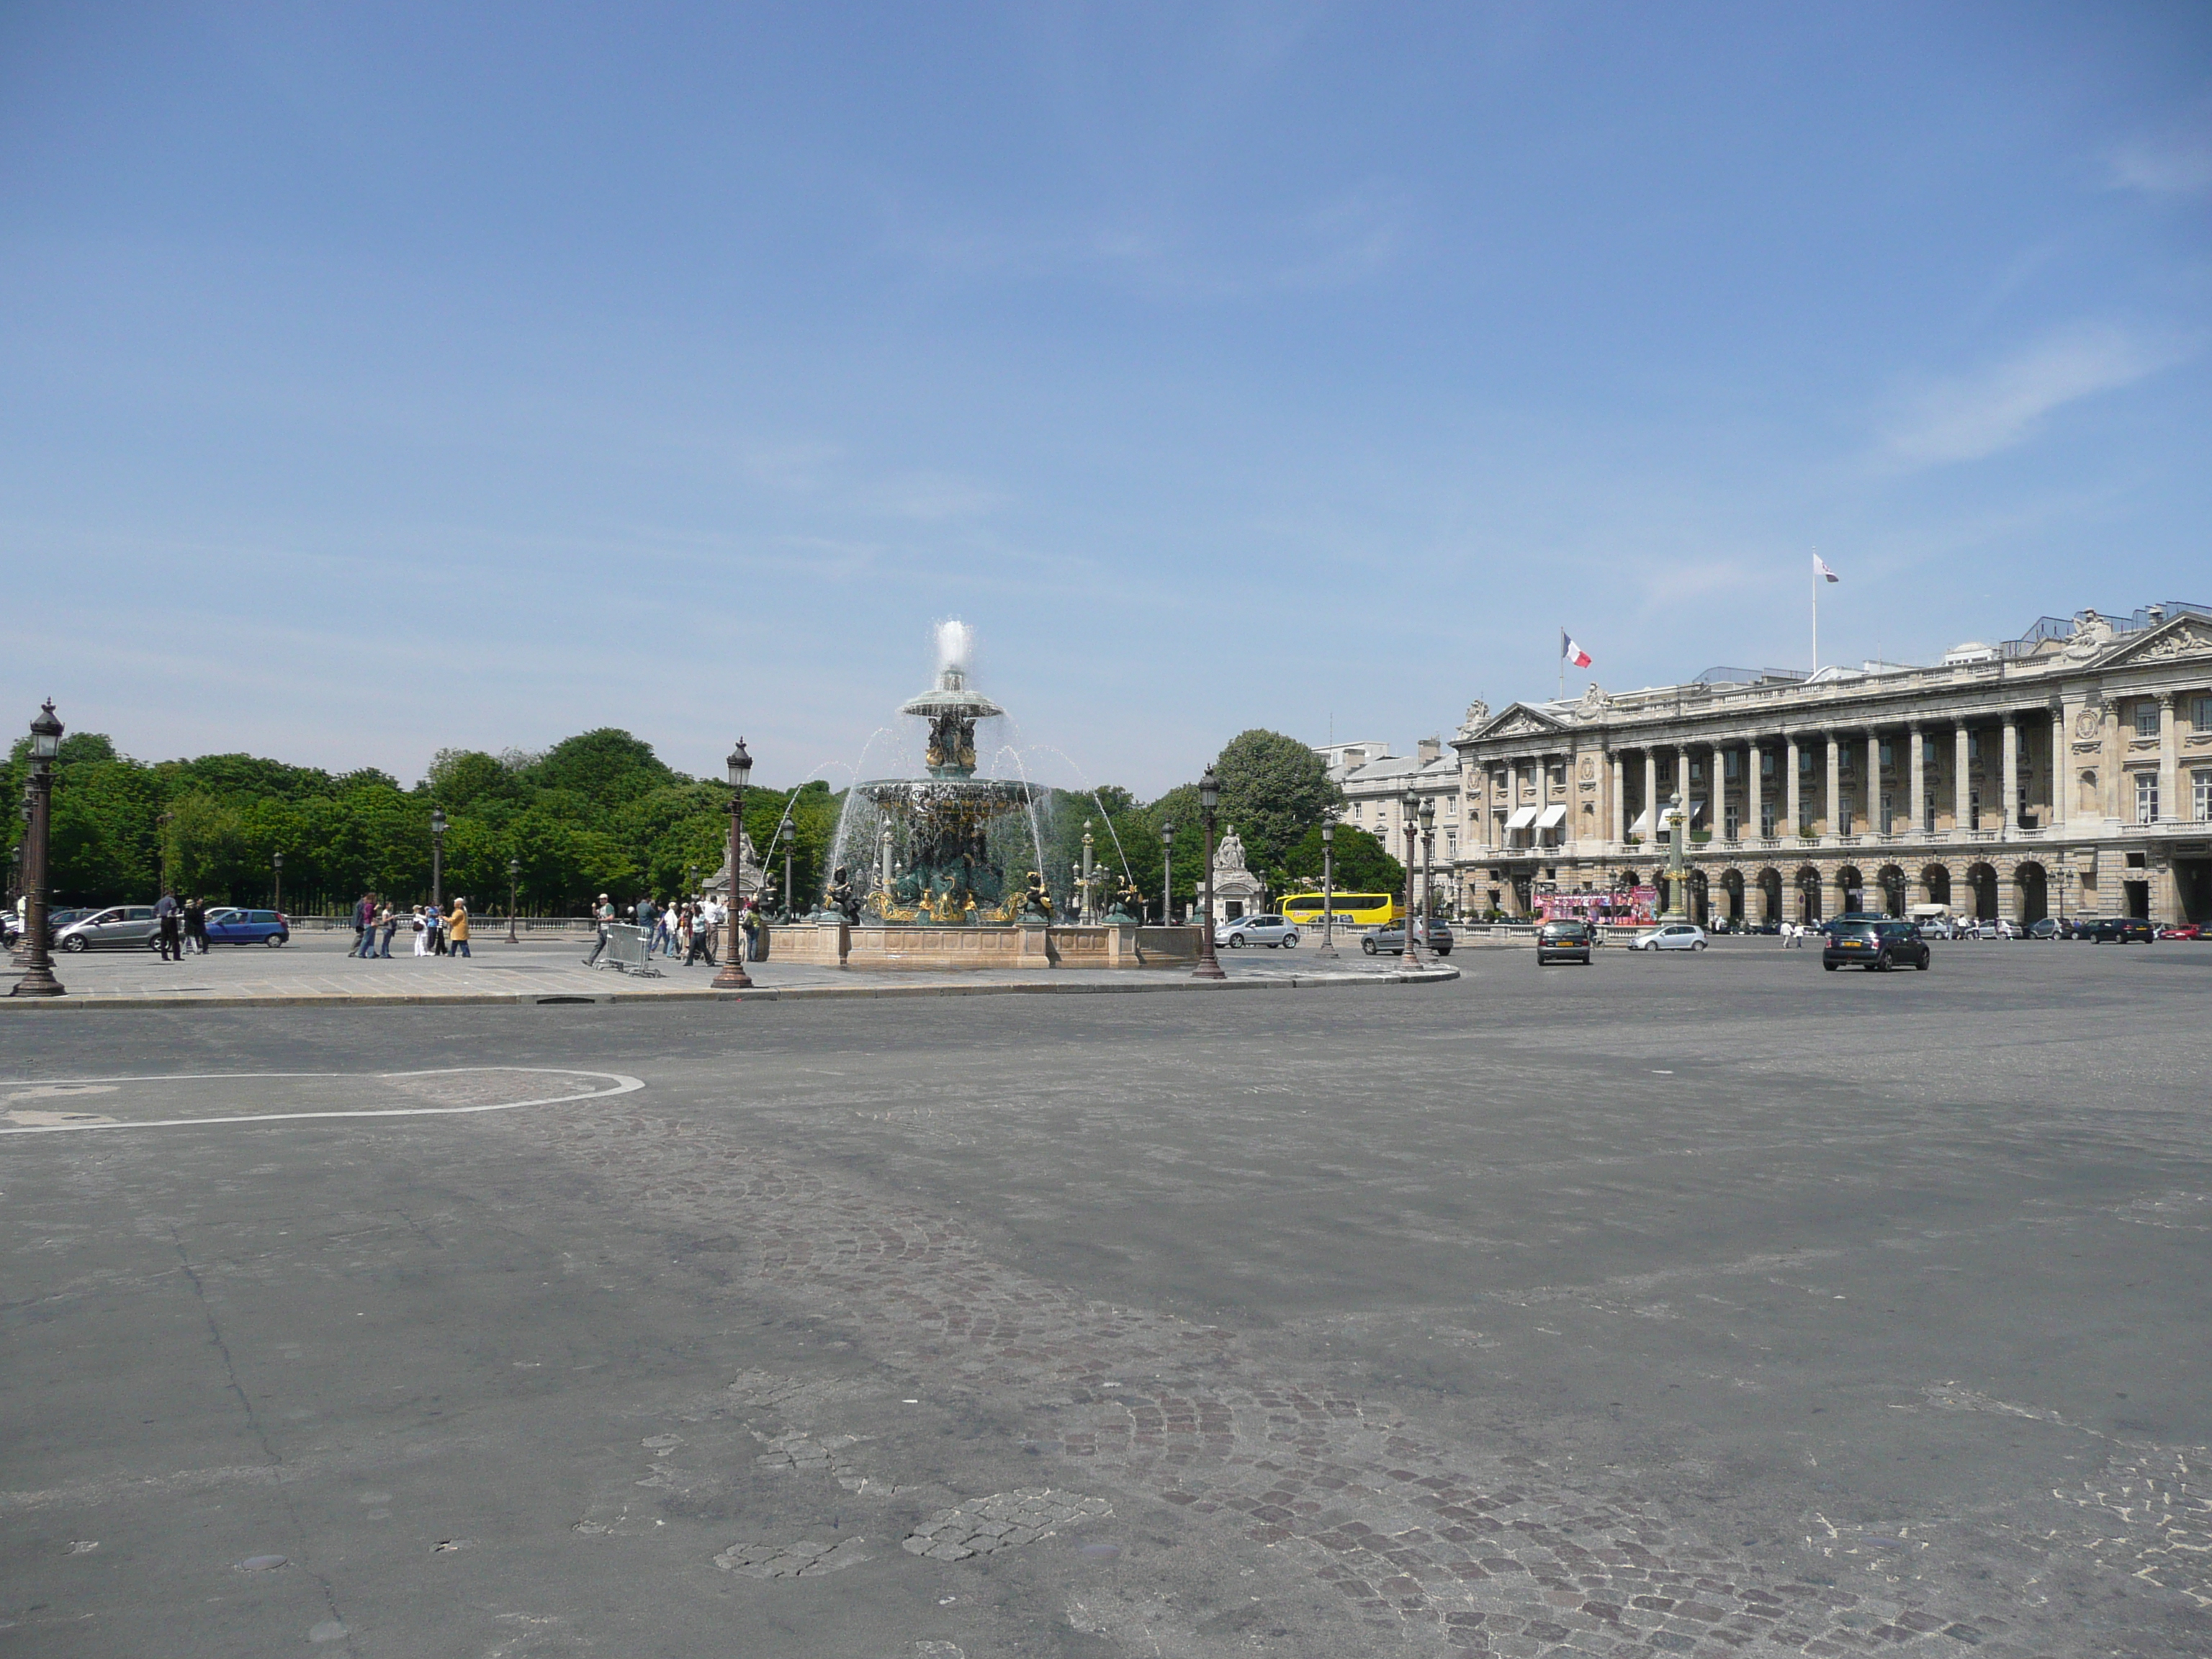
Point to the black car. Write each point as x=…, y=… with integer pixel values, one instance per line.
x=1435, y=937
x=1563, y=940
x=1878, y=946
x=2121, y=930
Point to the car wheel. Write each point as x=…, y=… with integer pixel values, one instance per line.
x=1237, y=941
x=74, y=943
x=1830, y=966
x=1700, y=945
x=1923, y=964
x=1880, y=964
x=275, y=939
x=1368, y=945
x=1291, y=943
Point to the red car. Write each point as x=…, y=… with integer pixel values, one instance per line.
x=2184, y=930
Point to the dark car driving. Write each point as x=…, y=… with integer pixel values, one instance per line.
x=1877, y=946
x=1565, y=940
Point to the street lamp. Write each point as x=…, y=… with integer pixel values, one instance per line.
x=1167, y=875
x=1209, y=798
x=1088, y=866
x=733, y=976
x=276, y=898
x=1428, y=864
x=161, y=848
x=1411, y=805
x=38, y=979
x=438, y=859
x=513, y=885
x=1328, y=951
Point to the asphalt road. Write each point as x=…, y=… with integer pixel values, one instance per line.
x=1671, y=1305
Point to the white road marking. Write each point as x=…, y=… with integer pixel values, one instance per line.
x=624, y=1084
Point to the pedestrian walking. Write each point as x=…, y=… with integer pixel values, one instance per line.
x=434, y=924
x=457, y=927
x=388, y=924
x=364, y=919
x=645, y=915
x=168, y=924
x=702, y=937
x=421, y=931
x=603, y=917
x=196, y=939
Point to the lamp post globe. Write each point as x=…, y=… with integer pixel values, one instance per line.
x=1328, y=951
x=1167, y=875
x=1209, y=799
x=37, y=980
x=733, y=977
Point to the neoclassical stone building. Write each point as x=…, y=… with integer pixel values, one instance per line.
x=2066, y=773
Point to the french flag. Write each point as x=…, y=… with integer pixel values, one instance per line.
x=1574, y=653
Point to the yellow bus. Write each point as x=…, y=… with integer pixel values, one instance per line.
x=1354, y=909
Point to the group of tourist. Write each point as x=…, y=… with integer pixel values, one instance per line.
x=179, y=929
x=436, y=934
x=687, y=931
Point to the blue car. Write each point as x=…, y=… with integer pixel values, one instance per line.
x=230, y=926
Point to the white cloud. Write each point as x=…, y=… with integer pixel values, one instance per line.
x=2180, y=165
x=1976, y=414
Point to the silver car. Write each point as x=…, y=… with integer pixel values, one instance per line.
x=119, y=926
x=1670, y=936
x=1273, y=931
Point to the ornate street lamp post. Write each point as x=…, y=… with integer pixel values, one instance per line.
x=1088, y=866
x=1209, y=798
x=1328, y=951
x=438, y=858
x=1411, y=806
x=1167, y=875
x=276, y=894
x=513, y=886
x=38, y=979
x=161, y=848
x=1428, y=864
x=1678, y=869
x=733, y=976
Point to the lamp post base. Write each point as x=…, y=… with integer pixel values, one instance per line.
x=1209, y=967
x=39, y=981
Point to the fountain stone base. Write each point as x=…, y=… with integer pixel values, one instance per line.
x=867, y=945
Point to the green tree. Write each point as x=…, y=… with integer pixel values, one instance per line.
x=1363, y=864
x=1273, y=789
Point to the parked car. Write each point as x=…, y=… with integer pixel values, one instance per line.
x=1563, y=940
x=2121, y=930
x=2182, y=930
x=1435, y=936
x=1271, y=930
x=1670, y=936
x=118, y=927
x=1876, y=945
x=230, y=926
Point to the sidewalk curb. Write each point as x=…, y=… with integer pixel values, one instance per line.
x=759, y=994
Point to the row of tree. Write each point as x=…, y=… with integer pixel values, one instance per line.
x=600, y=812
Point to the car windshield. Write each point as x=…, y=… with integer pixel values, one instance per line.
x=1854, y=930
x=1563, y=930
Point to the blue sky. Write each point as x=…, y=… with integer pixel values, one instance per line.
x=374, y=378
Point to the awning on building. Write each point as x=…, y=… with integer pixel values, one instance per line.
x=1521, y=818
x=1551, y=817
x=1642, y=823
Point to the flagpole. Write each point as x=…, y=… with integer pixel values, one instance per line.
x=1816, y=613
x=1563, y=666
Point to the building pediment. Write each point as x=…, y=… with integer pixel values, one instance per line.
x=1519, y=721
x=2184, y=636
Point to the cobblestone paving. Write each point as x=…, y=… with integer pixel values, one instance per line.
x=1443, y=1548
x=804, y=1559
x=1002, y=1521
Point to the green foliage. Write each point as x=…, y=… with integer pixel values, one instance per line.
x=1273, y=789
x=598, y=813
x=1363, y=864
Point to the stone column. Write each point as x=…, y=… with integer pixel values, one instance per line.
x=1650, y=797
x=1916, y=764
x=1754, y=805
x=2011, y=740
x=2009, y=883
x=2169, y=770
x=1873, y=802
x=1791, y=791
x=2060, y=770
x=1961, y=799
x=1835, y=819
x=1617, y=809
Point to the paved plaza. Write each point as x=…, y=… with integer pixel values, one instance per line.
x=1690, y=1306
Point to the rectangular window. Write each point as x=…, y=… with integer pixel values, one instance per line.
x=1697, y=771
x=1974, y=809
x=1451, y=843
x=2199, y=718
x=2200, y=797
x=1732, y=767
x=1843, y=757
x=1451, y=806
x=2021, y=806
x=1930, y=754
x=1888, y=815
x=2146, y=798
x=1843, y=815
x=1974, y=746
x=1766, y=763
x=2146, y=720
x=1889, y=755
x=1804, y=760
x=1928, y=811
x=1733, y=819
x=1766, y=819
